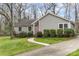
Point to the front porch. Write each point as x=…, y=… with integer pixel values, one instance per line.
x=35, y=27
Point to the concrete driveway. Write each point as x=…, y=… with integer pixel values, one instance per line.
x=59, y=49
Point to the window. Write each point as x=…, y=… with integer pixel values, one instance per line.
x=65, y=26
x=60, y=25
x=20, y=28
x=29, y=28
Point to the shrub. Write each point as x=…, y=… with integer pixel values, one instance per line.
x=60, y=32
x=46, y=33
x=69, y=32
x=14, y=33
x=21, y=34
x=30, y=34
x=39, y=34
x=52, y=33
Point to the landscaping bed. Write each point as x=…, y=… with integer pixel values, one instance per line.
x=15, y=46
x=52, y=36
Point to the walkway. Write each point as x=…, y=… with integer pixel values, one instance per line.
x=33, y=41
x=59, y=49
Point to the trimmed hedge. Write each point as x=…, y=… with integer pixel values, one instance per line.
x=59, y=32
x=39, y=34
x=30, y=34
x=46, y=33
x=69, y=32
x=21, y=35
x=24, y=34
x=52, y=33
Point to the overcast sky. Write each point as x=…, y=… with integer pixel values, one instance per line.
x=59, y=5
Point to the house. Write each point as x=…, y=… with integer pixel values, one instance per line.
x=77, y=25
x=23, y=26
x=49, y=21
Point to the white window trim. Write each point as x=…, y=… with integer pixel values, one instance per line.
x=63, y=25
x=58, y=25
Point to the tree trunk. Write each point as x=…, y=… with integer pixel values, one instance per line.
x=76, y=18
x=11, y=22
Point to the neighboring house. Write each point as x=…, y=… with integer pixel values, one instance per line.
x=49, y=21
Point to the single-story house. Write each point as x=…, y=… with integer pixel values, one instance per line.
x=48, y=21
x=23, y=26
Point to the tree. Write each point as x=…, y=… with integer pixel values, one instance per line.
x=1, y=19
x=76, y=17
x=18, y=10
x=68, y=7
x=76, y=14
x=53, y=6
x=50, y=7
x=11, y=20
x=34, y=10
x=8, y=14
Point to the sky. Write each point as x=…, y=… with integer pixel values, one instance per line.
x=40, y=5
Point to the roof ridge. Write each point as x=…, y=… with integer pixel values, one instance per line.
x=53, y=15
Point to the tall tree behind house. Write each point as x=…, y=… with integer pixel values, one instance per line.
x=76, y=17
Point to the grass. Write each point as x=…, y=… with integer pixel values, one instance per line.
x=51, y=40
x=75, y=53
x=15, y=46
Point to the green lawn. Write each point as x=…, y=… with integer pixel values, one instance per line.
x=15, y=46
x=51, y=40
x=75, y=53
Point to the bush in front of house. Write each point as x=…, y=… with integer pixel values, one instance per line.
x=69, y=32
x=39, y=34
x=21, y=35
x=30, y=34
x=56, y=33
x=46, y=33
x=59, y=32
x=52, y=33
x=14, y=33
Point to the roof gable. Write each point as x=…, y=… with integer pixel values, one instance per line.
x=51, y=15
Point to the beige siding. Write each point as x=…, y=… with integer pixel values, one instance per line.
x=72, y=26
x=51, y=22
x=24, y=29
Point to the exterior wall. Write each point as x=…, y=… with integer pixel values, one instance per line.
x=24, y=29
x=73, y=26
x=36, y=27
x=51, y=22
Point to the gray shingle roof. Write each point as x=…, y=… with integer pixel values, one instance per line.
x=24, y=23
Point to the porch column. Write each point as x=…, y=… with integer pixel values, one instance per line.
x=69, y=25
x=33, y=28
